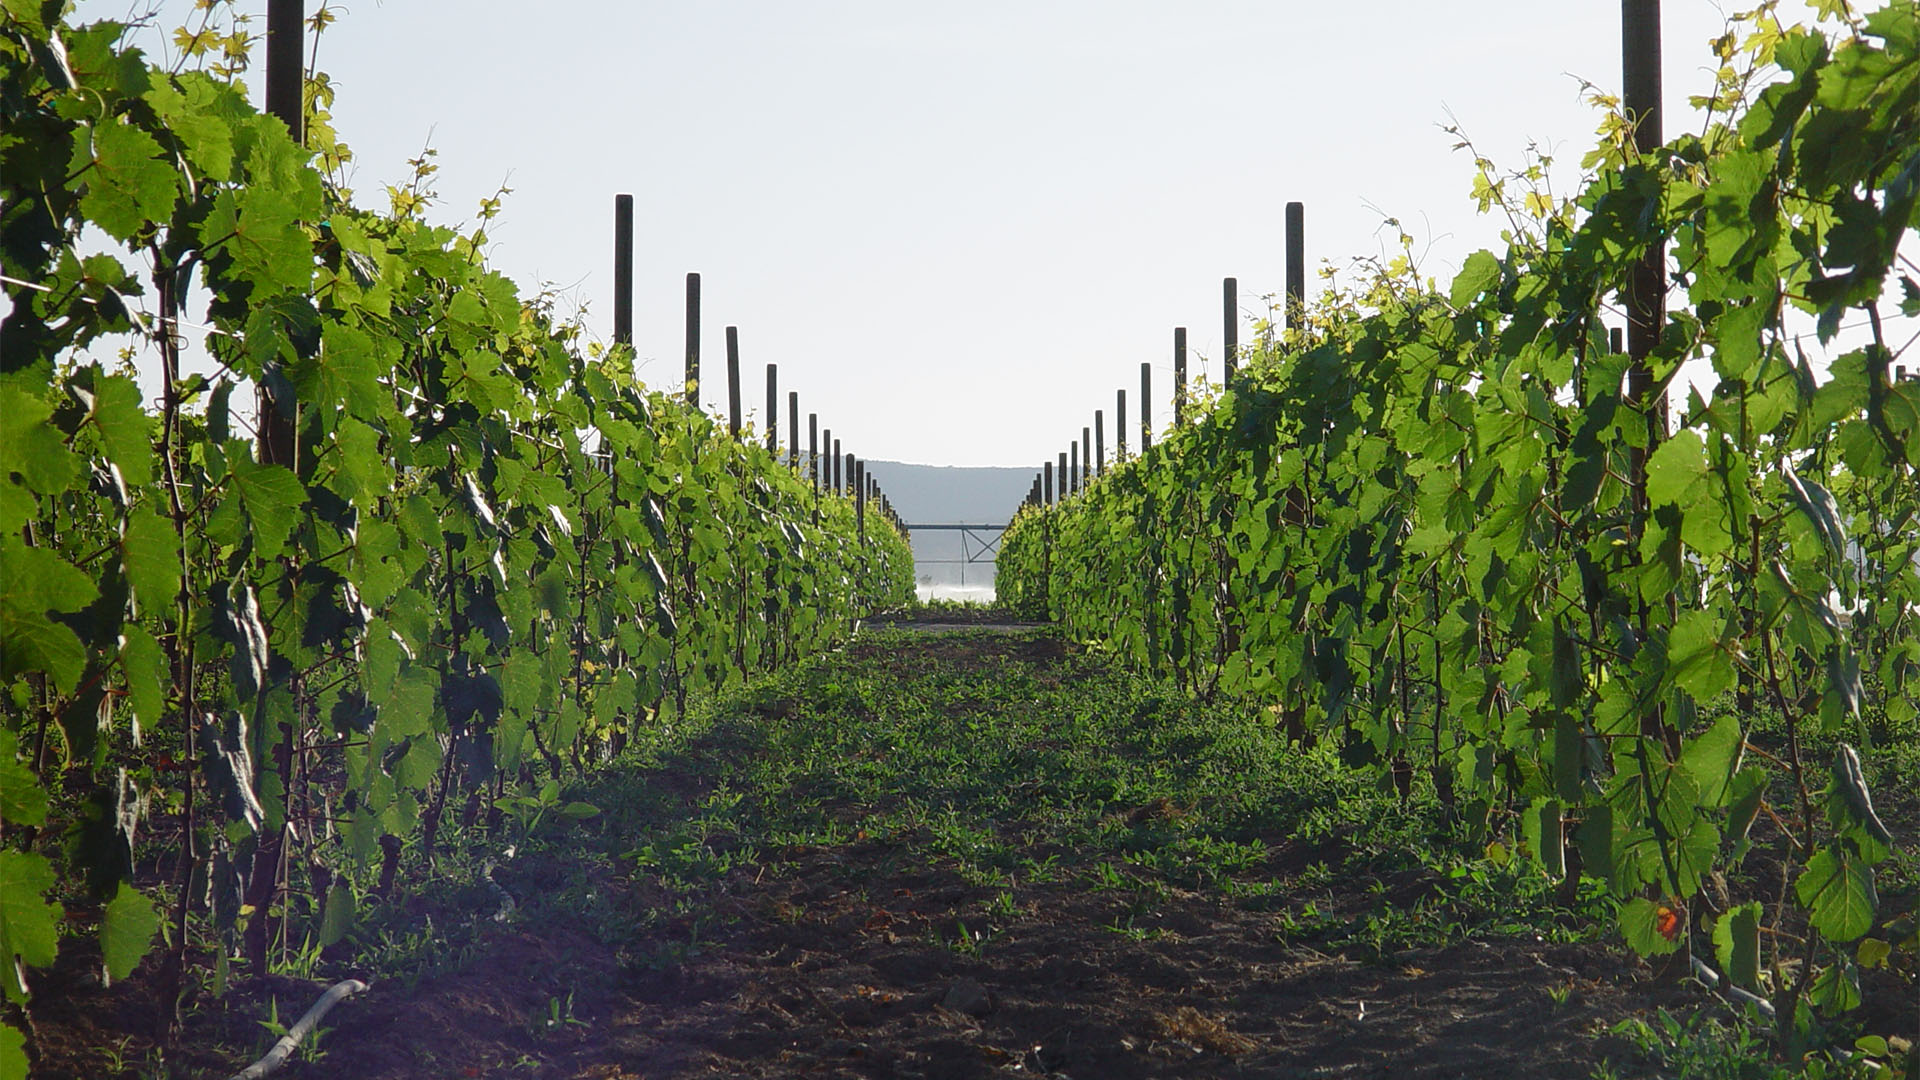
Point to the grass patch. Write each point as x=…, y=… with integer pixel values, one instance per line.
x=1024, y=761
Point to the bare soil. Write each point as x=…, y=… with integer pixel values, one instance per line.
x=844, y=967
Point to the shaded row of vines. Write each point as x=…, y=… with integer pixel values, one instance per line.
x=238, y=696
x=1418, y=527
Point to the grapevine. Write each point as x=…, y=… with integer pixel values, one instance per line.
x=1416, y=525
x=497, y=556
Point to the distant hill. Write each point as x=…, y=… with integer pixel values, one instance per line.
x=944, y=494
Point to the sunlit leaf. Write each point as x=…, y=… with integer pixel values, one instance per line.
x=127, y=928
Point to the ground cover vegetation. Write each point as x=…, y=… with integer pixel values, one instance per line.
x=240, y=697
x=958, y=855
x=1445, y=531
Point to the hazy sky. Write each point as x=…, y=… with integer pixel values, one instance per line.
x=958, y=228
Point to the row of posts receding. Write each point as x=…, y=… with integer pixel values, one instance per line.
x=829, y=466
x=1643, y=298
x=1086, y=457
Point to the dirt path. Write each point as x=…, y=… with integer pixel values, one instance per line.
x=875, y=868
x=862, y=960
x=837, y=979
x=844, y=966
x=988, y=620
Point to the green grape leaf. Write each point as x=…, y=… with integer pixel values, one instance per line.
x=200, y=113
x=1713, y=758
x=105, y=70
x=1694, y=855
x=1738, y=338
x=39, y=580
x=467, y=696
x=347, y=370
x=32, y=642
x=1697, y=662
x=1595, y=834
x=125, y=429
x=127, y=929
x=1850, y=803
x=1873, y=953
x=520, y=683
x=364, y=475
x=1816, y=504
x=1567, y=682
x=1678, y=472
x=1545, y=837
x=144, y=668
x=273, y=498
x=17, y=506
x=27, y=13
x=151, y=553
x=1746, y=793
x=29, y=926
x=1736, y=945
x=1844, y=691
x=1837, y=988
x=127, y=179
x=1569, y=750
x=13, y=1052
x=420, y=522
x=258, y=226
x=341, y=914
x=554, y=587
x=22, y=800
x=30, y=447
x=1616, y=713
x=1837, y=889
x=1480, y=272
x=1646, y=926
